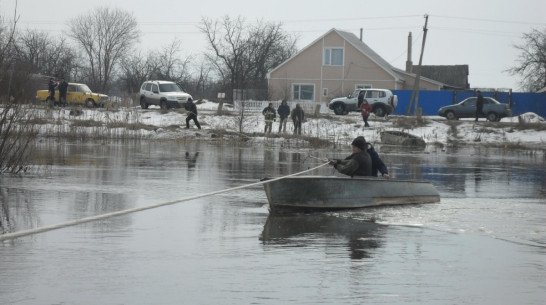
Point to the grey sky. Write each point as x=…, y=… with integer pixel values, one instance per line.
x=477, y=33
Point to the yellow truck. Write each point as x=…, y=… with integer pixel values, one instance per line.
x=76, y=94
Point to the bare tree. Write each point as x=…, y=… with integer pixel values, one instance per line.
x=244, y=54
x=135, y=70
x=106, y=36
x=16, y=133
x=531, y=63
x=47, y=55
x=271, y=47
x=165, y=64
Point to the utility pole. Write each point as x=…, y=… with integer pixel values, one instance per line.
x=415, y=92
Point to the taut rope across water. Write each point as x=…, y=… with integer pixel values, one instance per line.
x=123, y=212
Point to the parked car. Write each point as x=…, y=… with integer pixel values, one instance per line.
x=164, y=94
x=76, y=94
x=382, y=101
x=493, y=110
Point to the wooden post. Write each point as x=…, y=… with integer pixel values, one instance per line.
x=416, y=87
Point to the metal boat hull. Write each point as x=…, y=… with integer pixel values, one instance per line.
x=401, y=138
x=333, y=192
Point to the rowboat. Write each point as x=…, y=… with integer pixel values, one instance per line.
x=393, y=137
x=334, y=192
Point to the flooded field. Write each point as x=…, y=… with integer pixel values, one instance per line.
x=484, y=243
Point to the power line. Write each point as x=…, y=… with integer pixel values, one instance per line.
x=490, y=20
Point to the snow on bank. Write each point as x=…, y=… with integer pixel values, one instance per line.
x=339, y=129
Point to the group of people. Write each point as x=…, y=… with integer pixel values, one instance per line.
x=62, y=86
x=364, y=161
x=270, y=115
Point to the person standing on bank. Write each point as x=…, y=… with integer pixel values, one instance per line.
x=269, y=116
x=479, y=105
x=284, y=112
x=192, y=113
x=51, y=88
x=359, y=163
x=365, y=110
x=297, y=117
x=63, y=86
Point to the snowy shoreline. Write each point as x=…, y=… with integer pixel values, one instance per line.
x=153, y=123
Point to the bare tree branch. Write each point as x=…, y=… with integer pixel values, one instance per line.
x=106, y=36
x=531, y=62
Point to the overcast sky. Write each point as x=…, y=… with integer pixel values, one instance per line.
x=478, y=33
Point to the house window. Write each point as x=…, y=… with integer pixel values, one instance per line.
x=333, y=56
x=362, y=86
x=324, y=91
x=303, y=92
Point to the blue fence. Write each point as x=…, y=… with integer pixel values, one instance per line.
x=431, y=101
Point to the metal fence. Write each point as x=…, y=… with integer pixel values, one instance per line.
x=431, y=101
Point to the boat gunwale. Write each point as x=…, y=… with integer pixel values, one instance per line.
x=366, y=178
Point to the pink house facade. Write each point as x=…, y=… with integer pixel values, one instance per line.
x=335, y=65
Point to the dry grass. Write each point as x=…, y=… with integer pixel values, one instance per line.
x=410, y=122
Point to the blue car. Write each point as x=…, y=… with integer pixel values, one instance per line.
x=493, y=110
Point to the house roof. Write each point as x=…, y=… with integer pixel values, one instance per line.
x=455, y=75
x=366, y=50
x=351, y=38
x=359, y=45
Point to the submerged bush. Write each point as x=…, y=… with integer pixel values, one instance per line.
x=17, y=136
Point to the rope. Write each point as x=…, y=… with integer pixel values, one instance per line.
x=133, y=210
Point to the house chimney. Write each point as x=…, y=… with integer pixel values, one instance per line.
x=361, y=30
x=409, y=63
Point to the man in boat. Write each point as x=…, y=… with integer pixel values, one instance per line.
x=377, y=164
x=359, y=163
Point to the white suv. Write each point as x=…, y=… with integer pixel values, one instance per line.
x=164, y=94
x=382, y=101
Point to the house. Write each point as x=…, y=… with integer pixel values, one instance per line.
x=335, y=65
x=454, y=77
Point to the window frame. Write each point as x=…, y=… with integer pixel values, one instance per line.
x=363, y=86
x=299, y=91
x=327, y=56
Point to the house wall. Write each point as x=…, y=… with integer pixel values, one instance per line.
x=358, y=69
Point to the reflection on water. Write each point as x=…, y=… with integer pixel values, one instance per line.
x=299, y=230
x=206, y=251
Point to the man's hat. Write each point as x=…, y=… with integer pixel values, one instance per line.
x=359, y=142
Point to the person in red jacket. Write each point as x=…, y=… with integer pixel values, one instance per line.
x=365, y=110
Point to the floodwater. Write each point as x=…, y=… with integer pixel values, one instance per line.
x=484, y=243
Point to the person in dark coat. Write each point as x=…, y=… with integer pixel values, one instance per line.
x=192, y=113
x=51, y=88
x=361, y=98
x=479, y=104
x=377, y=164
x=284, y=112
x=359, y=163
x=298, y=115
x=63, y=87
x=269, y=116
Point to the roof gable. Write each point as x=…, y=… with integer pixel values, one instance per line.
x=355, y=42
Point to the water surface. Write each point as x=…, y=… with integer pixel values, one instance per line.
x=484, y=243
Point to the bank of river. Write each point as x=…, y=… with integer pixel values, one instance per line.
x=527, y=132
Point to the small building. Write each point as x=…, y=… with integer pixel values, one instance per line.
x=335, y=65
x=453, y=76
